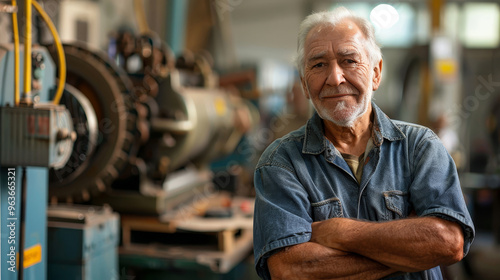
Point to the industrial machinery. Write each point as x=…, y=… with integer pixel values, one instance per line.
x=152, y=126
x=148, y=125
x=104, y=122
x=134, y=129
x=37, y=134
x=34, y=138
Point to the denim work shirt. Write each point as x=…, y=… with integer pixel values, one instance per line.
x=302, y=178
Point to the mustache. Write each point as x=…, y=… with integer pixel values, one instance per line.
x=341, y=89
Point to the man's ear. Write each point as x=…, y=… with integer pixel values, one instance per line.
x=305, y=90
x=377, y=75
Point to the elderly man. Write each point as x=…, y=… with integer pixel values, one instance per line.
x=353, y=193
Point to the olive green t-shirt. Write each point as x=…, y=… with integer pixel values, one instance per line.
x=354, y=161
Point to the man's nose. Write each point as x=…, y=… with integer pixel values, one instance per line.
x=335, y=75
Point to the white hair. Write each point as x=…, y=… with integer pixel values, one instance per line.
x=332, y=18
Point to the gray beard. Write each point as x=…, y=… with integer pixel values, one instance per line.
x=349, y=121
x=356, y=110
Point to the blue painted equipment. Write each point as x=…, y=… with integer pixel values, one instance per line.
x=83, y=243
x=36, y=180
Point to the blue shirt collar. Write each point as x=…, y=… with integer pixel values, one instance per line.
x=383, y=127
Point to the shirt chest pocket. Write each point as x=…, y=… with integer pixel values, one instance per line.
x=327, y=209
x=396, y=205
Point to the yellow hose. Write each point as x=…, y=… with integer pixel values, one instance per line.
x=27, y=54
x=15, y=31
x=60, y=52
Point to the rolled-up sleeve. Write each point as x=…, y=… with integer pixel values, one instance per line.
x=282, y=213
x=435, y=188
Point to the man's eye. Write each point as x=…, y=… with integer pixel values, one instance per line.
x=317, y=65
x=350, y=61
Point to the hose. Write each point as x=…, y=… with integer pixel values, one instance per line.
x=27, y=54
x=15, y=31
x=60, y=52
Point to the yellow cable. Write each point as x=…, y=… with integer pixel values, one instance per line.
x=60, y=51
x=27, y=53
x=15, y=31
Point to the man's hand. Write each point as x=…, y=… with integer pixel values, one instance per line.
x=409, y=245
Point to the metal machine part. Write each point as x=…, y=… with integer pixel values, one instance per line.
x=41, y=135
x=107, y=88
x=193, y=126
x=184, y=121
x=86, y=130
x=198, y=124
x=42, y=81
x=181, y=188
x=36, y=136
x=190, y=119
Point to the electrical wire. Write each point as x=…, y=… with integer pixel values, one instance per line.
x=60, y=51
x=15, y=32
x=27, y=54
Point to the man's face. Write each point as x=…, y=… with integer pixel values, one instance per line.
x=338, y=76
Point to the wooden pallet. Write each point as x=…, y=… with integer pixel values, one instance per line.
x=153, y=256
x=220, y=234
x=135, y=226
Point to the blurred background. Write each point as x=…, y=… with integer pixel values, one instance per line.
x=131, y=128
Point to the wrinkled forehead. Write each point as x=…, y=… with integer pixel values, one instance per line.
x=343, y=34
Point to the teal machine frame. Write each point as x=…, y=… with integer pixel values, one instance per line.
x=11, y=180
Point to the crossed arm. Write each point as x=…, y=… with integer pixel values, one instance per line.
x=348, y=248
